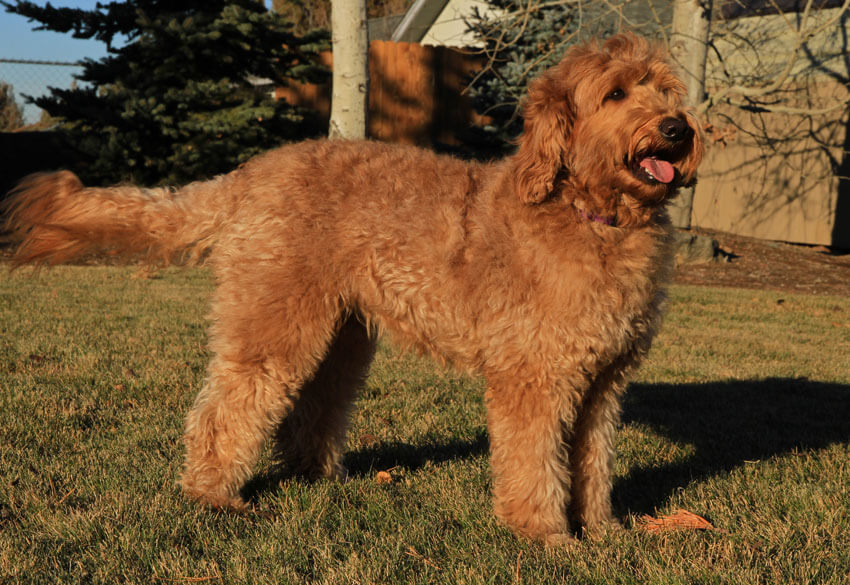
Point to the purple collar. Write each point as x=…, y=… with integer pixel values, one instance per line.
x=597, y=218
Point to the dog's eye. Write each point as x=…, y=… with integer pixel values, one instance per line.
x=616, y=95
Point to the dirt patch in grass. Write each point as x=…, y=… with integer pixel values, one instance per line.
x=767, y=265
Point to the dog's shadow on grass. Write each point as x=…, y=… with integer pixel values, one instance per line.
x=367, y=461
x=727, y=424
x=383, y=456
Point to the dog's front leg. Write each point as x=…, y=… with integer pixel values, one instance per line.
x=592, y=459
x=531, y=482
x=592, y=446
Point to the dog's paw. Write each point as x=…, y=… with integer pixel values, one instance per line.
x=217, y=501
x=599, y=530
x=559, y=540
x=231, y=505
x=338, y=472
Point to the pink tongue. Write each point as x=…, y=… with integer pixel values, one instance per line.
x=660, y=169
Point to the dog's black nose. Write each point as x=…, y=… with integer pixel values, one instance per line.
x=674, y=129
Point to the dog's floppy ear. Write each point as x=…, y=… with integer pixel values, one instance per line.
x=548, y=114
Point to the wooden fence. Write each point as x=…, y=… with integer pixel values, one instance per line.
x=415, y=94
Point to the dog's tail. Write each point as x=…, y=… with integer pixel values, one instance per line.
x=56, y=219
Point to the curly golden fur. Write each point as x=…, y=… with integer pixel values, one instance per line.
x=545, y=273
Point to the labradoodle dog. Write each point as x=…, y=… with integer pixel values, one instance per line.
x=544, y=272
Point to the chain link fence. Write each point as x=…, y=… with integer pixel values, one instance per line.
x=33, y=78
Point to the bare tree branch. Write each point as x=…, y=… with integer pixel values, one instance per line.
x=802, y=34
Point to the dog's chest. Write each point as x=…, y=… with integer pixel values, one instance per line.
x=607, y=297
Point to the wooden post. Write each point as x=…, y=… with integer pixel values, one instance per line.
x=689, y=49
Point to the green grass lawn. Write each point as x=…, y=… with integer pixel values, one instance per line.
x=741, y=415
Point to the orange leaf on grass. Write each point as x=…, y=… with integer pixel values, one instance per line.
x=678, y=520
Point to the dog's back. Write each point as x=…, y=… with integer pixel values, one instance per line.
x=310, y=186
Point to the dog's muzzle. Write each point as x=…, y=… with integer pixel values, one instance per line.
x=674, y=129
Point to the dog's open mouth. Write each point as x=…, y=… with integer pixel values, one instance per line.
x=654, y=169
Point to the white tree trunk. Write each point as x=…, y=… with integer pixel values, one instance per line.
x=689, y=49
x=350, y=97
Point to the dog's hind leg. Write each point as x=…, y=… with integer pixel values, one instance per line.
x=311, y=439
x=270, y=334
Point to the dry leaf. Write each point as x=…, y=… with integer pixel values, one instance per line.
x=678, y=520
x=367, y=440
x=383, y=477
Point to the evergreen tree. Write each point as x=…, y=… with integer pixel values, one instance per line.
x=190, y=93
x=520, y=41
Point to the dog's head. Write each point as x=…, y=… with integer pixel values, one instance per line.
x=609, y=117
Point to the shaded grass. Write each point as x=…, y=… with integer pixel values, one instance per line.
x=741, y=414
